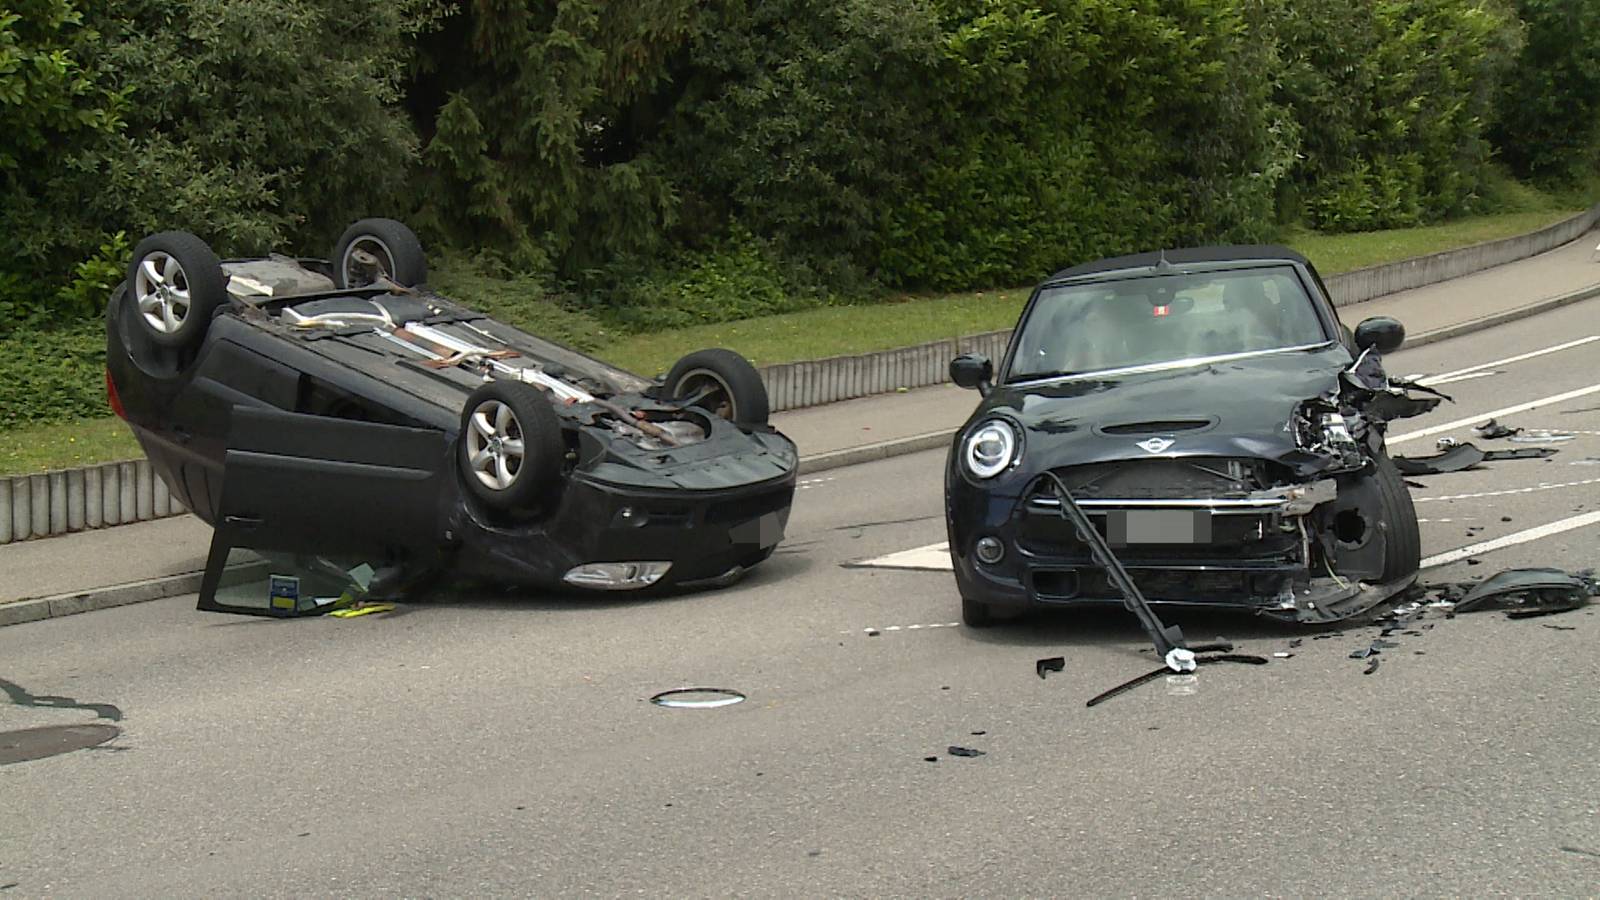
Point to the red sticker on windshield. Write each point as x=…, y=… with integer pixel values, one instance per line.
x=1161, y=311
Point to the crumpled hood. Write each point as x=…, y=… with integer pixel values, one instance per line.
x=1240, y=408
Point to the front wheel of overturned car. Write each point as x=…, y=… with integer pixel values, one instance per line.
x=379, y=248
x=510, y=449
x=1402, y=548
x=722, y=382
x=176, y=283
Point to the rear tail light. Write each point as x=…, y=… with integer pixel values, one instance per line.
x=112, y=398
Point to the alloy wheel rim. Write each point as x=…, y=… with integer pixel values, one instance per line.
x=494, y=445
x=356, y=271
x=161, y=288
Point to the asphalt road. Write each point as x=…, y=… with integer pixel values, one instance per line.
x=504, y=745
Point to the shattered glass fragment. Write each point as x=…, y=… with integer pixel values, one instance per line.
x=1542, y=437
x=1283, y=654
x=1182, y=685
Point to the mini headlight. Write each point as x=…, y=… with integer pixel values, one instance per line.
x=990, y=448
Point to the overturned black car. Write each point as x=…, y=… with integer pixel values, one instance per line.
x=342, y=410
x=1217, y=425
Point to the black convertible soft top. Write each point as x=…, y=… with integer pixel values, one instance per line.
x=1245, y=252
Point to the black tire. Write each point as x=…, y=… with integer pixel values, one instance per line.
x=732, y=388
x=167, y=269
x=395, y=249
x=526, y=484
x=1402, y=538
x=975, y=614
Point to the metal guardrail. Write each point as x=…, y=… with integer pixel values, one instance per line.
x=119, y=493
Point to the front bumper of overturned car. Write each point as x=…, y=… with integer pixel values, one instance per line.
x=1255, y=559
x=607, y=536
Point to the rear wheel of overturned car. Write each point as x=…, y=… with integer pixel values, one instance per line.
x=1402, y=538
x=721, y=382
x=510, y=446
x=176, y=283
x=374, y=248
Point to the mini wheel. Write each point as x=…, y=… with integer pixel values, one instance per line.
x=510, y=446
x=721, y=382
x=374, y=248
x=176, y=283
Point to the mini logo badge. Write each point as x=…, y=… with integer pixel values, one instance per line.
x=1155, y=445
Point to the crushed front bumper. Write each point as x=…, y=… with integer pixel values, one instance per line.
x=1251, y=551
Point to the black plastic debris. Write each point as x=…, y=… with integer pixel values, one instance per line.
x=979, y=733
x=1533, y=591
x=1050, y=664
x=1415, y=484
x=930, y=759
x=1456, y=459
x=1296, y=642
x=967, y=752
x=1363, y=653
x=1200, y=661
x=1560, y=627
x=1462, y=457
x=1372, y=666
x=1381, y=644
x=1492, y=430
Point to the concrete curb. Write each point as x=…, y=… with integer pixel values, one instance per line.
x=19, y=611
x=851, y=456
x=1484, y=323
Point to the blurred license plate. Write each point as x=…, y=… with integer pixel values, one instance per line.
x=763, y=532
x=1157, y=526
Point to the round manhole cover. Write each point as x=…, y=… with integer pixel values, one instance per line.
x=697, y=698
x=38, y=743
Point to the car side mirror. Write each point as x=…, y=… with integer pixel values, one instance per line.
x=972, y=370
x=1381, y=333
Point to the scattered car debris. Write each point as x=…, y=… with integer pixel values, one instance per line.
x=1296, y=642
x=930, y=759
x=1531, y=592
x=1154, y=674
x=1560, y=627
x=1372, y=666
x=979, y=733
x=966, y=752
x=697, y=698
x=1363, y=652
x=1461, y=457
x=1492, y=430
x=1283, y=654
x=1542, y=437
x=1050, y=664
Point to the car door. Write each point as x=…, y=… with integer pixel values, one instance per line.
x=324, y=486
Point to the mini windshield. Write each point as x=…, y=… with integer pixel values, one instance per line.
x=1083, y=328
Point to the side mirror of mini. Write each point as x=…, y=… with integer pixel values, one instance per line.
x=1381, y=333
x=972, y=370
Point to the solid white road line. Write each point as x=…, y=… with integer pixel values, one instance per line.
x=1495, y=414
x=1490, y=373
x=1454, y=376
x=1511, y=540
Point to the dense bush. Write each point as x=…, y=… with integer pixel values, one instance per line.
x=660, y=162
x=1074, y=129
x=49, y=375
x=1392, y=100
x=1549, y=126
x=252, y=124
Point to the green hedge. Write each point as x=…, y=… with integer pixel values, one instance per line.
x=50, y=375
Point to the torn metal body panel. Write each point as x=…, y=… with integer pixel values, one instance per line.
x=1254, y=478
x=311, y=419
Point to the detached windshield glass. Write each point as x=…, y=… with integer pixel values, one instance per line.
x=1078, y=329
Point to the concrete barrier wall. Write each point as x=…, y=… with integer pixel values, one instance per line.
x=1378, y=281
x=118, y=493
x=60, y=502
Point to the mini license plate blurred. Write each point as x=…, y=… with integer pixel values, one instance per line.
x=1157, y=526
x=763, y=532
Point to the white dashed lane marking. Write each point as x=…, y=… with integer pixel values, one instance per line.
x=1495, y=414
x=1505, y=493
x=872, y=631
x=1458, y=374
x=1511, y=540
